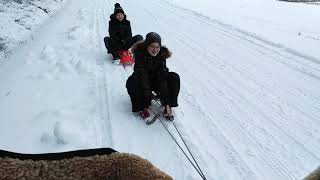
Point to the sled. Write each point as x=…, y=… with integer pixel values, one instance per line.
x=157, y=110
x=126, y=57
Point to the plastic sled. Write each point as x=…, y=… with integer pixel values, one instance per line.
x=126, y=57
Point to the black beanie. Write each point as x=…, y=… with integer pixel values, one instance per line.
x=152, y=37
x=118, y=9
x=116, y=5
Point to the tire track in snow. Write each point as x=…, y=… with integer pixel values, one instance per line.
x=265, y=46
x=275, y=163
x=260, y=86
x=252, y=75
x=268, y=158
x=209, y=86
x=310, y=123
x=314, y=103
x=248, y=75
x=94, y=88
x=229, y=33
x=103, y=123
x=297, y=142
x=219, y=141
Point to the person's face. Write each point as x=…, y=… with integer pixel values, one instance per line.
x=120, y=16
x=154, y=49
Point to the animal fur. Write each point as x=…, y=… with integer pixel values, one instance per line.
x=315, y=175
x=140, y=47
x=114, y=166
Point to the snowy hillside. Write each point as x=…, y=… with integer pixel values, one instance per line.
x=249, y=105
x=19, y=18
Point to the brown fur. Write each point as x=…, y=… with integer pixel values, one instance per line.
x=116, y=166
x=165, y=53
x=315, y=175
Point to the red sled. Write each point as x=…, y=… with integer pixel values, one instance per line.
x=126, y=57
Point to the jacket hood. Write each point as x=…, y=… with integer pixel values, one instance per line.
x=140, y=47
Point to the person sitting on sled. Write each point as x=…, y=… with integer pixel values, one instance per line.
x=151, y=74
x=120, y=33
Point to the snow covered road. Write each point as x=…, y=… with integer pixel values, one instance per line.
x=248, y=108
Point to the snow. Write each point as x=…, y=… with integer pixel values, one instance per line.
x=249, y=105
x=19, y=18
x=292, y=26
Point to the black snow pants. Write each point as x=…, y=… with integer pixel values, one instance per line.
x=113, y=45
x=168, y=90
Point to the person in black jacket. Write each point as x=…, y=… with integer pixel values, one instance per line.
x=151, y=74
x=120, y=33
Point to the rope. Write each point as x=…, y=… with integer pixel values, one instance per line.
x=188, y=150
x=198, y=169
x=199, y=172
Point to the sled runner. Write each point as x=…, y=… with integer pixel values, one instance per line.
x=156, y=111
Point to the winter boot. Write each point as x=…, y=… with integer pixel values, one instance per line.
x=116, y=58
x=115, y=55
x=146, y=116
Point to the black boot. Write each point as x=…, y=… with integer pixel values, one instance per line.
x=115, y=56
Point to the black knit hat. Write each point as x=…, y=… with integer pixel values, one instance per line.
x=118, y=9
x=152, y=37
x=116, y=5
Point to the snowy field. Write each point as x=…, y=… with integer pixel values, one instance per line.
x=20, y=19
x=290, y=26
x=249, y=105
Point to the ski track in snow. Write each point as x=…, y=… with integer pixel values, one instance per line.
x=249, y=108
x=103, y=97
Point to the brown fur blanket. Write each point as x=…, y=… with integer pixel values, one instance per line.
x=94, y=164
x=315, y=175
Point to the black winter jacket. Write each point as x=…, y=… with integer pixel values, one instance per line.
x=119, y=30
x=150, y=69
